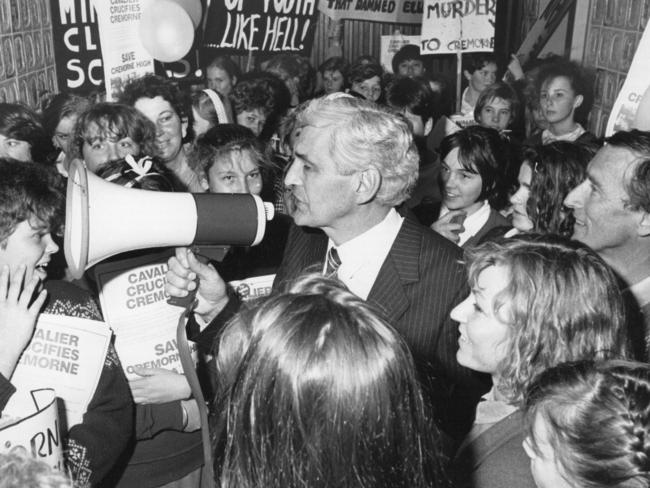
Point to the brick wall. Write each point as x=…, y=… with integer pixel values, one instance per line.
x=27, y=69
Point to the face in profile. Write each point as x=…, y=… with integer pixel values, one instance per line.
x=235, y=172
x=603, y=219
x=519, y=201
x=546, y=471
x=313, y=180
x=15, y=148
x=462, y=187
x=496, y=114
x=484, y=335
x=30, y=244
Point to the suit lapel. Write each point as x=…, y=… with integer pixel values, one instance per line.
x=399, y=269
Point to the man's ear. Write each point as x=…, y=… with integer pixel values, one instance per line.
x=467, y=75
x=643, y=229
x=428, y=127
x=368, y=184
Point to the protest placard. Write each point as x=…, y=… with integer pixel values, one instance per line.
x=255, y=287
x=76, y=45
x=240, y=26
x=30, y=421
x=134, y=304
x=124, y=57
x=390, y=44
x=458, y=27
x=388, y=11
x=632, y=107
x=66, y=354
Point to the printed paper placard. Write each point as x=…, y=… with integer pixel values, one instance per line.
x=31, y=421
x=66, y=354
x=255, y=287
x=134, y=304
x=458, y=27
x=390, y=45
x=632, y=107
x=124, y=57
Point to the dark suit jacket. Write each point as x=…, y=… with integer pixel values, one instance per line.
x=494, y=221
x=495, y=458
x=421, y=280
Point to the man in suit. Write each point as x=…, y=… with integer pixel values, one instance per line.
x=612, y=216
x=353, y=164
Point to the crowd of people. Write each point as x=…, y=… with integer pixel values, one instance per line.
x=464, y=308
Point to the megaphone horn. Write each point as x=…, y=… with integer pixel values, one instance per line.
x=103, y=219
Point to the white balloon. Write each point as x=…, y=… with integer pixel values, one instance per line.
x=166, y=31
x=193, y=9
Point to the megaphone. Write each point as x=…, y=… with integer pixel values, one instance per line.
x=103, y=219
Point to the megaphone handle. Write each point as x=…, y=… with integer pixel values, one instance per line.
x=186, y=301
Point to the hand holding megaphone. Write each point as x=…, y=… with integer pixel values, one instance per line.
x=187, y=276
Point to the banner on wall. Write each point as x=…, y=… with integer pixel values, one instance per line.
x=272, y=26
x=632, y=107
x=462, y=26
x=124, y=56
x=388, y=11
x=77, y=48
x=30, y=421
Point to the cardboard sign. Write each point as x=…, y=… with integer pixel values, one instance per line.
x=77, y=49
x=390, y=45
x=66, y=354
x=390, y=11
x=458, y=27
x=123, y=54
x=272, y=26
x=632, y=107
x=255, y=287
x=134, y=304
x=33, y=424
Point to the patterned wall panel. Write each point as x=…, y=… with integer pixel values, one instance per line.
x=614, y=31
x=26, y=56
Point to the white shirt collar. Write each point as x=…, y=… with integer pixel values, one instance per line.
x=641, y=291
x=363, y=256
x=466, y=108
x=548, y=136
x=490, y=410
